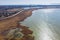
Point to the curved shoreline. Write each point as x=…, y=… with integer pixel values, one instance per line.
x=14, y=21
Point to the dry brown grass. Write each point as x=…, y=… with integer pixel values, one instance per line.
x=13, y=22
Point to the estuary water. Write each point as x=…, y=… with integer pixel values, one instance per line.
x=45, y=24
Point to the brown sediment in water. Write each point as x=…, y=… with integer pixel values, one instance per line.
x=13, y=22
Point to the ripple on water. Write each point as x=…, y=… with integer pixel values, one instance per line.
x=44, y=24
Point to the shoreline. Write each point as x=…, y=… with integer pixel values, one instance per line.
x=13, y=23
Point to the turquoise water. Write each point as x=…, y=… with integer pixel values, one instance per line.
x=45, y=24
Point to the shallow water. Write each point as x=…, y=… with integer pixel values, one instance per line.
x=45, y=24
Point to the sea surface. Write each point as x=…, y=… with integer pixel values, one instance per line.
x=45, y=24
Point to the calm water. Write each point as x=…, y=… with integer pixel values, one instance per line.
x=45, y=23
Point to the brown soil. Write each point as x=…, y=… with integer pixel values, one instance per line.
x=13, y=22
